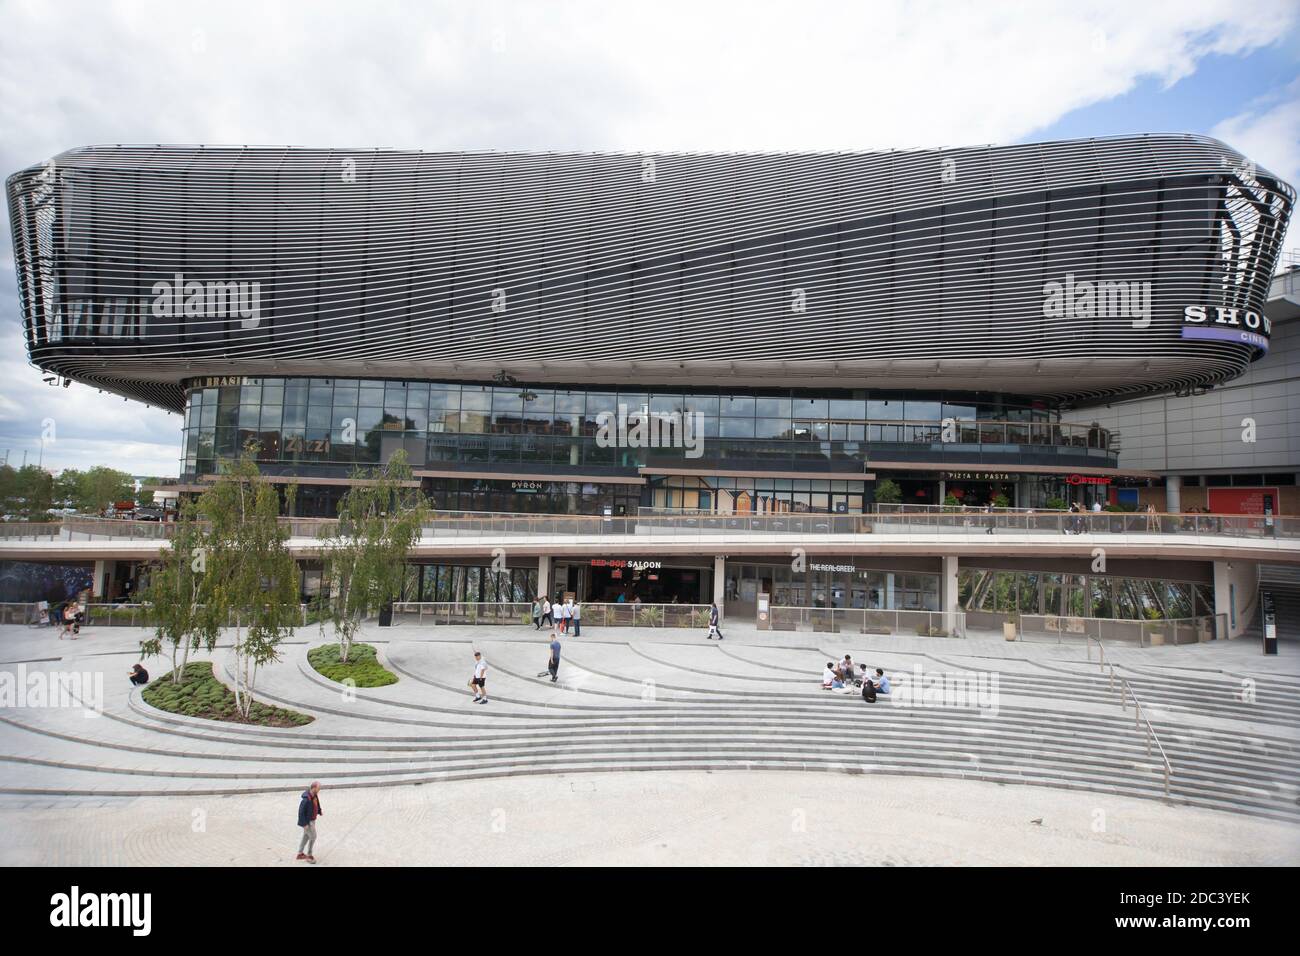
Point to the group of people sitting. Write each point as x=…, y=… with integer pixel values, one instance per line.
x=845, y=676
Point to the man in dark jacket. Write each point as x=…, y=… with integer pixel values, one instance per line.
x=713, y=622
x=308, y=810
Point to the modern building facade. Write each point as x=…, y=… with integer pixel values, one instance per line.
x=601, y=334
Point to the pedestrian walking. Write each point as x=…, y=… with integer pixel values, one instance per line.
x=478, y=683
x=308, y=810
x=713, y=622
x=553, y=664
x=577, y=618
x=547, y=619
x=566, y=615
x=537, y=614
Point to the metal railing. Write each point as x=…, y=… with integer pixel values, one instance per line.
x=864, y=621
x=1060, y=628
x=593, y=614
x=102, y=615
x=1140, y=722
x=703, y=524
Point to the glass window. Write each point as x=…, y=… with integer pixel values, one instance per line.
x=811, y=408
x=295, y=392
x=773, y=407
x=368, y=398
x=737, y=406
x=706, y=405
x=847, y=408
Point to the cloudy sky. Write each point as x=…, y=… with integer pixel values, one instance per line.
x=665, y=75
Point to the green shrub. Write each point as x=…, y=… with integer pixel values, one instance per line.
x=362, y=666
x=200, y=694
x=888, y=492
x=1057, y=504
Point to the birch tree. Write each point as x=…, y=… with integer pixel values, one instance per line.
x=254, y=584
x=364, y=553
x=177, y=599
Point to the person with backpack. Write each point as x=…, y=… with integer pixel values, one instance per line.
x=308, y=810
x=868, y=688
x=713, y=622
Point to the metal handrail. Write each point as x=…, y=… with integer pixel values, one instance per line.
x=1126, y=691
x=1101, y=651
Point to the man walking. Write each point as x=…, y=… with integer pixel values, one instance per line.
x=575, y=612
x=537, y=614
x=478, y=683
x=713, y=622
x=308, y=810
x=546, y=611
x=553, y=665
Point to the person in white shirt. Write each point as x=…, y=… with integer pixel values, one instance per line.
x=829, y=680
x=566, y=615
x=1096, y=506
x=546, y=612
x=575, y=613
x=478, y=683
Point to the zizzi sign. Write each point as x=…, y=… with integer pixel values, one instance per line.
x=1221, y=324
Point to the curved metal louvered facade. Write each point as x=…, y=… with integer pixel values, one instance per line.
x=142, y=267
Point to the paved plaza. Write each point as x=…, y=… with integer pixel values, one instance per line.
x=659, y=747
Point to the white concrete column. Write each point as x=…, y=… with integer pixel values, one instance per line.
x=948, y=593
x=1173, y=494
x=543, y=576
x=98, y=578
x=1223, y=593
x=889, y=591
x=720, y=583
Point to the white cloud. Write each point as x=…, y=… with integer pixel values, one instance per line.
x=594, y=75
x=1269, y=133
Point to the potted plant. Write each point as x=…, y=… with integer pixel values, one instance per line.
x=1011, y=627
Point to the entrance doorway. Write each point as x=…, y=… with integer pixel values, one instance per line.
x=609, y=583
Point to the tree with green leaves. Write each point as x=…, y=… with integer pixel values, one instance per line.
x=184, y=615
x=26, y=492
x=365, y=551
x=94, y=489
x=888, y=492
x=254, y=578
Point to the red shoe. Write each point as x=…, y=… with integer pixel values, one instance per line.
x=301, y=856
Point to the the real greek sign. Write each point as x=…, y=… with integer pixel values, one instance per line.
x=1223, y=324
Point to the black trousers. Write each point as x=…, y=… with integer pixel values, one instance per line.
x=139, y=679
x=553, y=666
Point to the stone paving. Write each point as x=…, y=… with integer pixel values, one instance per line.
x=412, y=767
x=661, y=819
